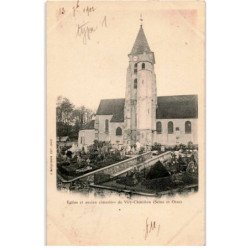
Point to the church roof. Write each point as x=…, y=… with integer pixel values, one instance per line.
x=113, y=107
x=141, y=43
x=176, y=107
x=169, y=107
x=89, y=125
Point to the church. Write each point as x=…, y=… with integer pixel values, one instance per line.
x=143, y=116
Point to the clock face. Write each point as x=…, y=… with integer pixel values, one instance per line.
x=135, y=58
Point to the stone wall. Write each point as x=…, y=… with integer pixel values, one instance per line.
x=148, y=163
x=86, y=137
x=116, y=168
x=101, y=134
x=114, y=139
x=178, y=136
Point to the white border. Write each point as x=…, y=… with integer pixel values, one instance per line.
x=22, y=124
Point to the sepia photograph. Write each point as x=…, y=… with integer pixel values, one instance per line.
x=142, y=144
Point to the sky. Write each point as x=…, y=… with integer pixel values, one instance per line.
x=88, y=69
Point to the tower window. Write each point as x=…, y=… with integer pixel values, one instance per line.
x=158, y=127
x=135, y=68
x=118, y=131
x=170, y=127
x=135, y=83
x=143, y=66
x=188, y=127
x=106, y=126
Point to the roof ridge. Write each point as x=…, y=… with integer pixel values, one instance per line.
x=177, y=95
x=113, y=99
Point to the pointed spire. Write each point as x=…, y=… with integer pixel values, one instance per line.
x=141, y=43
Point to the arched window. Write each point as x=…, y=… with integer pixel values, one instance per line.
x=118, y=131
x=135, y=68
x=170, y=127
x=188, y=127
x=106, y=126
x=158, y=127
x=143, y=66
x=135, y=83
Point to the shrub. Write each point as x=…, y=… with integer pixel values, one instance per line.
x=160, y=184
x=156, y=146
x=169, y=148
x=188, y=178
x=183, y=146
x=64, y=148
x=190, y=145
x=142, y=150
x=61, y=164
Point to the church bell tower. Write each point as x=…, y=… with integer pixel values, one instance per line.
x=141, y=96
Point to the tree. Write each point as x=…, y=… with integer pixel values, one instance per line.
x=69, y=119
x=82, y=115
x=64, y=110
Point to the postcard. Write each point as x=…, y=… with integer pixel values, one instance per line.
x=125, y=123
